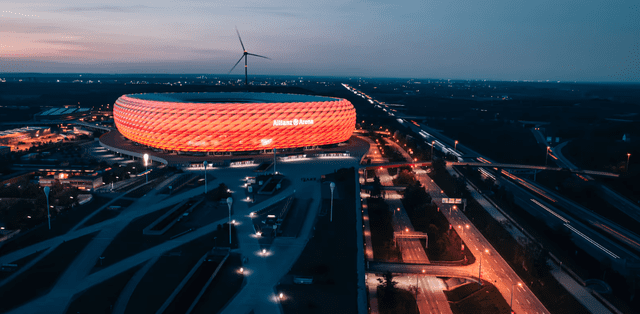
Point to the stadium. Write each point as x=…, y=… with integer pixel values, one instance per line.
x=233, y=122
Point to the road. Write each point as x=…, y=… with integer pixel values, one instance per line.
x=494, y=268
x=612, y=197
x=434, y=135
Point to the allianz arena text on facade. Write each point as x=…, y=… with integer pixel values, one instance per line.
x=232, y=122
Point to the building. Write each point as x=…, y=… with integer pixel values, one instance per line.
x=233, y=122
x=87, y=183
x=13, y=136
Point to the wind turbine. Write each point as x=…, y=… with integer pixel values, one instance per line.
x=244, y=55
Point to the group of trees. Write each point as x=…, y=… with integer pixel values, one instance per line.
x=392, y=299
x=24, y=204
x=381, y=224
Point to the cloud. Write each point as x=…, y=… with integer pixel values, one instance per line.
x=106, y=8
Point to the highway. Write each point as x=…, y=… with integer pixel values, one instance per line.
x=586, y=238
x=494, y=268
x=612, y=197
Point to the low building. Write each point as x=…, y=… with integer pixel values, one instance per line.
x=87, y=183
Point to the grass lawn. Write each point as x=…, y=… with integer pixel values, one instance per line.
x=130, y=240
x=106, y=214
x=294, y=220
x=473, y=298
x=39, y=279
x=329, y=256
x=403, y=302
x=165, y=275
x=60, y=225
x=21, y=262
x=223, y=287
x=101, y=298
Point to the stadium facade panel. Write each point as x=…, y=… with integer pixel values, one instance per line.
x=232, y=122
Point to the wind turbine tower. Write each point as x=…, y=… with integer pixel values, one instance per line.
x=245, y=54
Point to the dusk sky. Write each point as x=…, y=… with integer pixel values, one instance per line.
x=581, y=40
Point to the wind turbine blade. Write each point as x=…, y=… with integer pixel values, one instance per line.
x=236, y=64
x=255, y=55
x=240, y=39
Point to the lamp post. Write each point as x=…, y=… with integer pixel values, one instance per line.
x=628, y=156
x=512, y=287
x=546, y=156
x=146, y=174
x=432, y=143
x=480, y=268
x=229, y=203
x=46, y=193
x=205, y=163
x=455, y=146
x=332, y=186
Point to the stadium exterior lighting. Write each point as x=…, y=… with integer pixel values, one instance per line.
x=227, y=122
x=146, y=174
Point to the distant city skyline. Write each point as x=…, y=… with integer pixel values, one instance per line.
x=501, y=40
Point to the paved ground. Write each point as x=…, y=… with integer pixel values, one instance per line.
x=257, y=295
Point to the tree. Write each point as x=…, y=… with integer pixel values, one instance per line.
x=405, y=177
x=376, y=189
x=387, y=284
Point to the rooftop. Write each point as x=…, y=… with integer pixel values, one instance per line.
x=229, y=97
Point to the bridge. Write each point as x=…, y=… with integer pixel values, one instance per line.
x=437, y=269
x=397, y=165
x=92, y=126
x=487, y=165
x=384, y=188
x=532, y=167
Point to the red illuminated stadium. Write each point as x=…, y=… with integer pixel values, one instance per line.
x=231, y=122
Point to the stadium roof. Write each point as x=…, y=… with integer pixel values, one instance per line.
x=230, y=97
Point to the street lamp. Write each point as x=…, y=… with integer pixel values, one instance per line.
x=546, y=156
x=432, y=143
x=455, y=145
x=513, y=285
x=480, y=268
x=205, y=163
x=628, y=156
x=332, y=186
x=146, y=174
x=229, y=203
x=46, y=193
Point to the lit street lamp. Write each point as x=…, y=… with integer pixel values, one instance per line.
x=205, y=163
x=332, y=186
x=146, y=174
x=455, y=146
x=432, y=143
x=512, y=287
x=46, y=193
x=628, y=156
x=546, y=156
x=229, y=203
